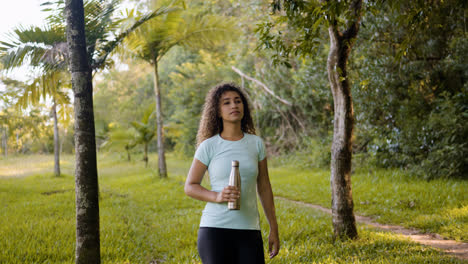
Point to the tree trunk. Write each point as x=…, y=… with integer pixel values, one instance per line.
x=63, y=140
x=128, y=153
x=86, y=177
x=18, y=144
x=159, y=122
x=145, y=158
x=344, y=223
x=5, y=141
x=56, y=142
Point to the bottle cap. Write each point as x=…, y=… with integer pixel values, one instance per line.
x=235, y=163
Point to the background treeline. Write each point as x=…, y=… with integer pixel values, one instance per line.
x=408, y=84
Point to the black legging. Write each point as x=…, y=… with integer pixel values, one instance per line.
x=230, y=246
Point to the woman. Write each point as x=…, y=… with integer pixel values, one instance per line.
x=227, y=133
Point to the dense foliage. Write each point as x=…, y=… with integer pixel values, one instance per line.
x=410, y=89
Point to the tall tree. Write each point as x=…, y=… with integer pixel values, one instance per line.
x=304, y=20
x=56, y=140
x=155, y=38
x=83, y=58
x=86, y=178
x=341, y=42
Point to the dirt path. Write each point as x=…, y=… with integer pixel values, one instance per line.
x=452, y=247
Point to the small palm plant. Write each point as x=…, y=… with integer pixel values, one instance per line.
x=145, y=131
x=119, y=138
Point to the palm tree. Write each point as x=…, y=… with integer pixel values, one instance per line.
x=146, y=131
x=38, y=47
x=49, y=84
x=155, y=38
x=86, y=176
x=119, y=138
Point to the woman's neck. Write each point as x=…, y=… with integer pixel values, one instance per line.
x=232, y=131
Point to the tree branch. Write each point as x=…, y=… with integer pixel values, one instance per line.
x=352, y=30
x=261, y=85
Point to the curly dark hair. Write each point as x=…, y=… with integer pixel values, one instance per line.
x=211, y=122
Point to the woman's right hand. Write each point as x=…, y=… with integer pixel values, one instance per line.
x=228, y=194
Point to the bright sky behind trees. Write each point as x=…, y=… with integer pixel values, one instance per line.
x=24, y=12
x=15, y=13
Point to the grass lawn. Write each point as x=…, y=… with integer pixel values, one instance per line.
x=389, y=196
x=144, y=218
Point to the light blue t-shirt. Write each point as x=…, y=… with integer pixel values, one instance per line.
x=217, y=153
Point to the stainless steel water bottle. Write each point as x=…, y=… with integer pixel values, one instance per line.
x=235, y=180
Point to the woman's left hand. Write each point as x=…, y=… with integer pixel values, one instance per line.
x=273, y=244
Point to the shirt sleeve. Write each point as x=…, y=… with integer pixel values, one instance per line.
x=203, y=153
x=261, y=149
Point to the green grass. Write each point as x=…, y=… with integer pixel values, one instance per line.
x=144, y=218
x=389, y=196
x=17, y=166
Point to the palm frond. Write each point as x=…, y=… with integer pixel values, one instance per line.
x=45, y=36
x=149, y=41
x=148, y=114
x=24, y=93
x=19, y=55
x=34, y=46
x=65, y=114
x=138, y=126
x=205, y=31
x=120, y=138
x=48, y=84
x=98, y=22
x=110, y=46
x=154, y=39
x=62, y=98
x=145, y=129
x=56, y=9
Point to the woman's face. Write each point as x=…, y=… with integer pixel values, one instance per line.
x=231, y=107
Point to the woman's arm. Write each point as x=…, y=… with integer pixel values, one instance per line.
x=266, y=197
x=194, y=189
